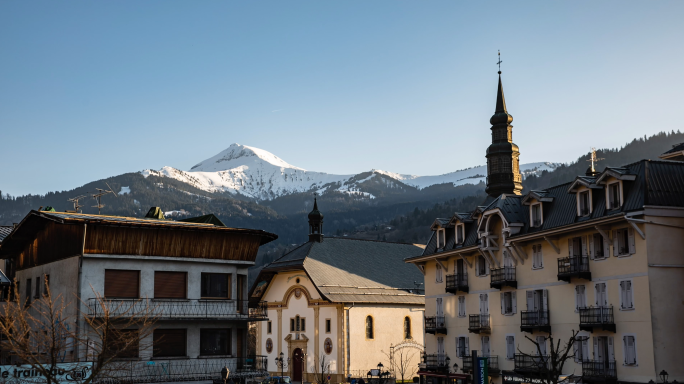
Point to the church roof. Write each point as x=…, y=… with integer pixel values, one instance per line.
x=359, y=271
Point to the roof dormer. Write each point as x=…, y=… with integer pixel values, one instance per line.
x=583, y=187
x=458, y=223
x=439, y=226
x=613, y=179
x=535, y=200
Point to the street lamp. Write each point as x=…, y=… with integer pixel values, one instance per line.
x=447, y=362
x=281, y=362
x=663, y=376
x=303, y=366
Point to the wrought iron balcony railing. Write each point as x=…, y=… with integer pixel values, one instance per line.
x=435, y=362
x=573, y=266
x=181, y=370
x=531, y=320
x=531, y=364
x=492, y=361
x=503, y=277
x=435, y=325
x=604, y=371
x=597, y=317
x=479, y=324
x=190, y=309
x=457, y=282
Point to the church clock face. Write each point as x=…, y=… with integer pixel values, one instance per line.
x=327, y=346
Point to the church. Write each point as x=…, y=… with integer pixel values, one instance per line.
x=340, y=302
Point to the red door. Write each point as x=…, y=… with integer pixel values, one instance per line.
x=297, y=365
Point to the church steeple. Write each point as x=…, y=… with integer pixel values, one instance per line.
x=315, y=224
x=503, y=168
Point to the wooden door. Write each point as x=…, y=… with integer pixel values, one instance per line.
x=298, y=364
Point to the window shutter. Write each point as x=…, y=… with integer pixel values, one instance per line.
x=616, y=245
x=467, y=345
x=584, y=245
x=477, y=266
x=629, y=292
x=170, y=285
x=623, y=296
x=503, y=310
x=611, y=349
x=546, y=300
x=530, y=300
x=632, y=245
x=122, y=284
x=596, y=350
x=577, y=298
x=606, y=247
x=597, y=294
x=585, y=349
x=592, y=252
x=570, y=247
x=626, y=348
x=576, y=350
x=510, y=347
x=515, y=302
x=169, y=342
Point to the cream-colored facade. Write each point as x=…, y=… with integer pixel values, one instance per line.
x=343, y=325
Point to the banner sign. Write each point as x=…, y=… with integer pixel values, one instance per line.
x=65, y=373
x=482, y=370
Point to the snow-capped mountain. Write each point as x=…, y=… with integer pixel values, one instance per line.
x=261, y=175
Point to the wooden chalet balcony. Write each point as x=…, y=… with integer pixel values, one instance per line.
x=435, y=325
x=457, y=282
x=599, y=371
x=190, y=309
x=573, y=266
x=530, y=364
x=535, y=320
x=435, y=362
x=493, y=362
x=503, y=277
x=479, y=324
x=597, y=317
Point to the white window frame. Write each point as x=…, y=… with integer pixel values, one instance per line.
x=465, y=345
x=507, y=336
x=456, y=228
x=608, y=194
x=607, y=293
x=631, y=292
x=579, y=202
x=577, y=307
x=480, y=260
x=441, y=234
x=439, y=273
x=462, y=305
x=624, y=350
x=630, y=246
x=537, y=252
x=541, y=215
x=513, y=300
x=595, y=247
x=581, y=346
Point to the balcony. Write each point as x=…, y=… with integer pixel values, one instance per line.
x=180, y=309
x=435, y=325
x=181, y=370
x=479, y=324
x=457, y=282
x=535, y=320
x=595, y=317
x=530, y=364
x=599, y=371
x=492, y=361
x=573, y=266
x=435, y=362
x=503, y=277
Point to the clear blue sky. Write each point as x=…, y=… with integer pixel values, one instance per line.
x=91, y=89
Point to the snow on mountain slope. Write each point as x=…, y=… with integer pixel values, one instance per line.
x=259, y=174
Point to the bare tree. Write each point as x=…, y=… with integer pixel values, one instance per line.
x=321, y=370
x=40, y=334
x=401, y=363
x=549, y=368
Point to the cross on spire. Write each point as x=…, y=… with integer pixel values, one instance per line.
x=499, y=62
x=593, y=159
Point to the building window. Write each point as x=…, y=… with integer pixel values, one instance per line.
x=439, y=273
x=292, y=325
x=580, y=297
x=536, y=215
x=215, y=342
x=407, y=327
x=298, y=324
x=461, y=306
x=541, y=341
x=170, y=285
x=268, y=327
x=441, y=238
x=122, y=284
x=269, y=345
x=116, y=347
x=537, y=259
x=481, y=266
x=508, y=303
x=584, y=204
x=462, y=346
x=629, y=342
x=575, y=246
x=369, y=327
x=623, y=242
x=626, y=295
x=327, y=325
x=598, y=247
x=601, y=295
x=28, y=292
x=216, y=285
x=460, y=233
x=614, y=196
x=510, y=347
x=581, y=348
x=169, y=343
x=37, y=293
x=328, y=346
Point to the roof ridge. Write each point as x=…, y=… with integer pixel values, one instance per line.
x=375, y=241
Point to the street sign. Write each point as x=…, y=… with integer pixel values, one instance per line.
x=482, y=370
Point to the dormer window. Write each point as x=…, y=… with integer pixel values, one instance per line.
x=536, y=215
x=614, y=196
x=584, y=203
x=460, y=233
x=441, y=238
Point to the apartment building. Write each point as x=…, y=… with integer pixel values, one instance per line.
x=193, y=276
x=602, y=255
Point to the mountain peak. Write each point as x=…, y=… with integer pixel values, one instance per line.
x=237, y=155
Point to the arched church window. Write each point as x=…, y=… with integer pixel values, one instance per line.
x=407, y=327
x=369, y=327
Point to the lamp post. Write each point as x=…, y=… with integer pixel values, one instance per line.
x=447, y=362
x=663, y=376
x=303, y=366
x=281, y=362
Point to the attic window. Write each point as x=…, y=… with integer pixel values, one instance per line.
x=614, y=195
x=584, y=203
x=536, y=215
x=441, y=238
x=460, y=233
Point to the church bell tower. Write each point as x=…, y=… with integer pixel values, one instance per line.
x=503, y=168
x=315, y=224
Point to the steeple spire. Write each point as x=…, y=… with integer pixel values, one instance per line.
x=503, y=168
x=315, y=223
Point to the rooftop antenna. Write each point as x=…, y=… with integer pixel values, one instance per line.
x=75, y=200
x=594, y=159
x=98, y=196
x=499, y=62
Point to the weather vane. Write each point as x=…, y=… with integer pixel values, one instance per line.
x=499, y=62
x=594, y=159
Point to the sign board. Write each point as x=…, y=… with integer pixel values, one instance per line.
x=67, y=373
x=482, y=370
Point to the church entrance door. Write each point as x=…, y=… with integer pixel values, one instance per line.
x=297, y=357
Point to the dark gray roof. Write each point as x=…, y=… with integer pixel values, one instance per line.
x=656, y=182
x=675, y=148
x=4, y=231
x=352, y=270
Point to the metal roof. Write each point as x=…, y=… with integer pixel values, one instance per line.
x=4, y=231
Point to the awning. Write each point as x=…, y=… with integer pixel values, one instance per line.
x=439, y=374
